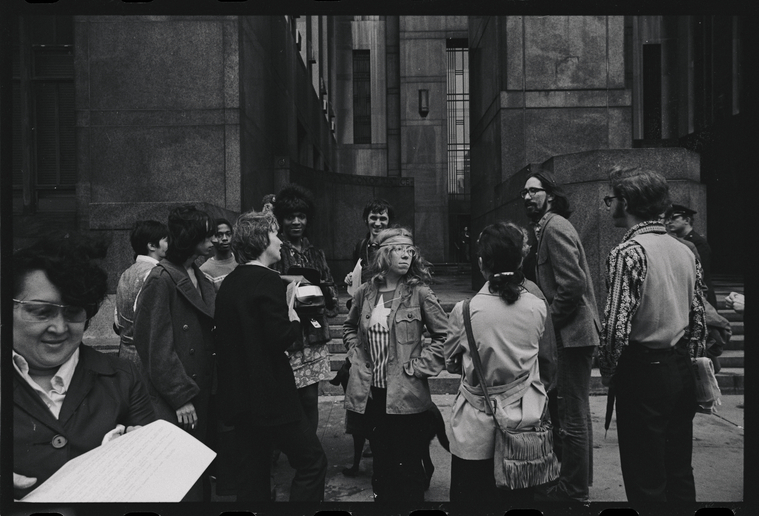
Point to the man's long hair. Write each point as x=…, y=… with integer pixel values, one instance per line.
x=560, y=203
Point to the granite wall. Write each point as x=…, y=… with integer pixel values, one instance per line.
x=157, y=121
x=424, y=140
x=584, y=177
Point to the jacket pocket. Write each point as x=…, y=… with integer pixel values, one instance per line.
x=408, y=325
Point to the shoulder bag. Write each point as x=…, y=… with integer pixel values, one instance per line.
x=523, y=458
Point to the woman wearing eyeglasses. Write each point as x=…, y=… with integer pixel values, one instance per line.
x=391, y=363
x=66, y=396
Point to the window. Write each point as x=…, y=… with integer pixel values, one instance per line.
x=458, y=116
x=43, y=113
x=362, y=97
x=652, y=113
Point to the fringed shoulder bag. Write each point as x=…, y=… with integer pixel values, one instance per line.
x=523, y=458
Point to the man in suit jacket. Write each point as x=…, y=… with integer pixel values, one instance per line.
x=563, y=275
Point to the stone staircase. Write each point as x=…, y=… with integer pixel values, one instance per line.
x=730, y=378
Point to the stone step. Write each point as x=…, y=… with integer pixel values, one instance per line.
x=730, y=381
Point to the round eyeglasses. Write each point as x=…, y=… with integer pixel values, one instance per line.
x=41, y=311
x=404, y=249
x=532, y=191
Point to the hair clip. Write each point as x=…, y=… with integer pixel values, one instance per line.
x=503, y=274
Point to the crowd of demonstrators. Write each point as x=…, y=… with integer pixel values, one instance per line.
x=230, y=352
x=172, y=330
x=388, y=384
x=653, y=326
x=257, y=389
x=67, y=397
x=223, y=261
x=521, y=353
x=563, y=275
x=150, y=240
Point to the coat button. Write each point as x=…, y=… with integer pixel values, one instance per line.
x=368, y=316
x=59, y=442
x=185, y=327
x=192, y=351
x=410, y=315
x=368, y=365
x=194, y=376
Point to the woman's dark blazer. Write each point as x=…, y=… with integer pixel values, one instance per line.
x=104, y=392
x=173, y=327
x=253, y=331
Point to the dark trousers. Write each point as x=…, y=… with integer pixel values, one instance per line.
x=304, y=453
x=309, y=400
x=656, y=403
x=397, y=442
x=473, y=481
x=575, y=430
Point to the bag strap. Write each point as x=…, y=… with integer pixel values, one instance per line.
x=477, y=362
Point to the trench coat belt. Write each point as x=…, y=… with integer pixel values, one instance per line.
x=511, y=391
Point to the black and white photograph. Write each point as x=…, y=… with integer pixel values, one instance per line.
x=376, y=263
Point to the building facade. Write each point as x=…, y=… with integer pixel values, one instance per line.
x=121, y=118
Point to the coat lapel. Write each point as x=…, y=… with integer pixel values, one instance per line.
x=203, y=303
x=29, y=401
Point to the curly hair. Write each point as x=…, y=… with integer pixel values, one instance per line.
x=501, y=247
x=293, y=198
x=419, y=271
x=146, y=232
x=69, y=262
x=250, y=236
x=646, y=191
x=560, y=203
x=188, y=226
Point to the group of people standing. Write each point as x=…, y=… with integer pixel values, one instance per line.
x=224, y=351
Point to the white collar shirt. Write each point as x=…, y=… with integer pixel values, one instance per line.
x=60, y=382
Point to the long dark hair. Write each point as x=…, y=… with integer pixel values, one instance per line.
x=560, y=203
x=188, y=226
x=500, y=246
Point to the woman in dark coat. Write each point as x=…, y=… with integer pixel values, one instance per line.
x=257, y=392
x=66, y=396
x=172, y=328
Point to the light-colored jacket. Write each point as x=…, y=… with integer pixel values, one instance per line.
x=508, y=340
x=564, y=277
x=409, y=361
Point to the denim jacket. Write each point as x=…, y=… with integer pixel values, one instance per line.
x=409, y=362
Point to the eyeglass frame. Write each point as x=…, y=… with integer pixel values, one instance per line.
x=404, y=249
x=533, y=190
x=609, y=198
x=60, y=311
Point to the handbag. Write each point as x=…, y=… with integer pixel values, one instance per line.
x=523, y=457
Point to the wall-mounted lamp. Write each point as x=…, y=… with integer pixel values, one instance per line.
x=424, y=102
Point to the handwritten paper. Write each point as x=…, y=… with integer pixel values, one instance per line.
x=156, y=463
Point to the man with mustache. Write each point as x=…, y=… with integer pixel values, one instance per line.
x=563, y=275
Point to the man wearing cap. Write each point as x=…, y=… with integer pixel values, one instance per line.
x=563, y=275
x=679, y=221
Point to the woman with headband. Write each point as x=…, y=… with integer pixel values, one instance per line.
x=511, y=325
x=391, y=363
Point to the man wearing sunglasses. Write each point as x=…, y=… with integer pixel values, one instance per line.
x=563, y=275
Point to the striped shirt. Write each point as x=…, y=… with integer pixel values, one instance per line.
x=626, y=269
x=379, y=341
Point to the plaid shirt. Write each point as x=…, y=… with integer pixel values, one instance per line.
x=626, y=269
